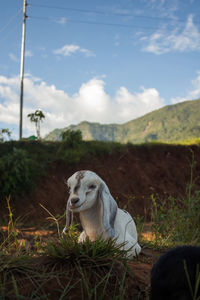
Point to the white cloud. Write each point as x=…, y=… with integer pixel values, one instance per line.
x=193, y=93
x=62, y=21
x=28, y=53
x=131, y=106
x=117, y=40
x=90, y=103
x=68, y=50
x=161, y=41
x=163, y=8
x=13, y=57
x=178, y=100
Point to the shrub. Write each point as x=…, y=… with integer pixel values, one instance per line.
x=101, y=148
x=71, y=138
x=17, y=173
x=72, y=148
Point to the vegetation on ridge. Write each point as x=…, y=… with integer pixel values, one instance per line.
x=23, y=162
x=172, y=123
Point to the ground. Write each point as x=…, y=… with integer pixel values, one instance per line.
x=132, y=177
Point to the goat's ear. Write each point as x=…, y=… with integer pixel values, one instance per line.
x=109, y=209
x=69, y=216
x=69, y=219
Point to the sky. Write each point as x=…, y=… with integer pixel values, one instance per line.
x=107, y=61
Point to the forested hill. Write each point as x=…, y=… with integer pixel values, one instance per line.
x=169, y=124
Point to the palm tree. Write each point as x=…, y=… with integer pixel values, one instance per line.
x=36, y=118
x=3, y=132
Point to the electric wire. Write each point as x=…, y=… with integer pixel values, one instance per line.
x=10, y=20
x=11, y=31
x=96, y=23
x=125, y=14
x=104, y=13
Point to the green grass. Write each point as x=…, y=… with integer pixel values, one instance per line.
x=193, y=292
x=192, y=141
x=64, y=268
x=177, y=222
x=174, y=221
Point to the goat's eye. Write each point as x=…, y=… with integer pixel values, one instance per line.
x=92, y=187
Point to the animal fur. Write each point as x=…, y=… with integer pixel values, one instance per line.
x=99, y=213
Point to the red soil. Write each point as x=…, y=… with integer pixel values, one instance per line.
x=132, y=178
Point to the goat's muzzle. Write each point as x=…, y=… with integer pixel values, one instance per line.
x=74, y=202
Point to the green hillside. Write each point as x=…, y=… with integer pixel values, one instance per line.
x=169, y=124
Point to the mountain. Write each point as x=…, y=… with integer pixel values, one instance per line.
x=169, y=124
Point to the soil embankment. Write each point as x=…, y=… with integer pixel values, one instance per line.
x=132, y=177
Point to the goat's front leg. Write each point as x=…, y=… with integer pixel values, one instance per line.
x=64, y=231
x=82, y=237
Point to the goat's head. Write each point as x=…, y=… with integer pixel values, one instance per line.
x=86, y=188
x=83, y=188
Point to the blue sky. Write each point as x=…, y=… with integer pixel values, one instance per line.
x=107, y=61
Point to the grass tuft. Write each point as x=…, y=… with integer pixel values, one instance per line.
x=63, y=268
x=68, y=248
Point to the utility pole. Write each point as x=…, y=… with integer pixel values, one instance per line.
x=22, y=69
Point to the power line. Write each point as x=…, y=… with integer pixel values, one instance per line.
x=107, y=13
x=69, y=8
x=96, y=23
x=10, y=20
x=10, y=31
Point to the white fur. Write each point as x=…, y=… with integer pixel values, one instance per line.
x=99, y=213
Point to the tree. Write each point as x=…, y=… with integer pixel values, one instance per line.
x=36, y=118
x=3, y=132
x=71, y=137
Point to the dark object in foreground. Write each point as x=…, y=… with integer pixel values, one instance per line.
x=176, y=275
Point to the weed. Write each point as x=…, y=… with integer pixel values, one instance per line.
x=90, y=270
x=69, y=248
x=10, y=223
x=193, y=292
x=17, y=172
x=54, y=219
x=62, y=268
x=174, y=222
x=139, y=220
x=97, y=264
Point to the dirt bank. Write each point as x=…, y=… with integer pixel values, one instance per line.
x=132, y=177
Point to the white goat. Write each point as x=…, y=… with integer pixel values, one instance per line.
x=99, y=213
